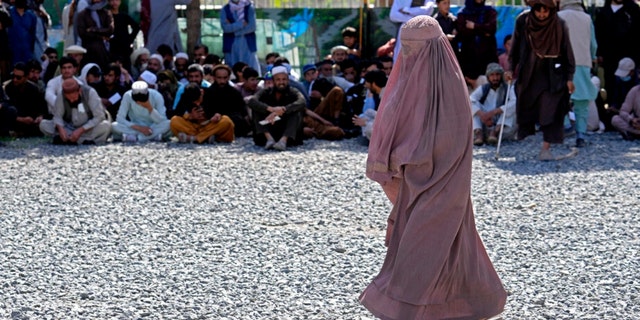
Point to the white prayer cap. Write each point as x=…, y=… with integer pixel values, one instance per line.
x=156, y=56
x=139, y=87
x=279, y=69
x=74, y=49
x=182, y=55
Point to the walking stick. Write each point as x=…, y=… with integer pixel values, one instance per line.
x=504, y=117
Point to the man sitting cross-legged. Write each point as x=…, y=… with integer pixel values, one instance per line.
x=278, y=102
x=78, y=116
x=488, y=107
x=195, y=122
x=141, y=116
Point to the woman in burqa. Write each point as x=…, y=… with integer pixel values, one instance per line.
x=543, y=59
x=436, y=266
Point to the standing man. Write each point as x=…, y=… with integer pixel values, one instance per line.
x=583, y=45
x=95, y=28
x=22, y=32
x=544, y=62
x=163, y=27
x=278, y=102
x=78, y=116
x=476, y=25
x=402, y=11
x=238, y=21
x=142, y=116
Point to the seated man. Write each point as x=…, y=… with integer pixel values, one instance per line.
x=142, y=116
x=319, y=120
x=194, y=122
x=375, y=81
x=25, y=96
x=110, y=90
x=78, y=116
x=283, y=102
x=180, y=67
x=224, y=99
x=251, y=84
x=627, y=122
x=8, y=116
x=195, y=74
x=34, y=72
x=488, y=107
x=325, y=70
x=68, y=68
x=309, y=74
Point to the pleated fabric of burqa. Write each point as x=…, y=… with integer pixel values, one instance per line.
x=436, y=265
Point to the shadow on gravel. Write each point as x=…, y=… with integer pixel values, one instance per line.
x=604, y=152
x=39, y=148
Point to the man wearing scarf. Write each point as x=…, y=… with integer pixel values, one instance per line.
x=95, y=28
x=238, y=21
x=476, y=25
x=543, y=59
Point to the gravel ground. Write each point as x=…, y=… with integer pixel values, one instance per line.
x=163, y=230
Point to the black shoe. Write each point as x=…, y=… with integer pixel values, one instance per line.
x=58, y=141
x=625, y=136
x=580, y=143
x=88, y=143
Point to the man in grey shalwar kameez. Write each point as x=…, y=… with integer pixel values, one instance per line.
x=164, y=25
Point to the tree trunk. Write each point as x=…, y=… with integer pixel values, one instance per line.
x=194, y=25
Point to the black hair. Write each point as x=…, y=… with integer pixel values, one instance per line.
x=349, y=32
x=280, y=60
x=249, y=73
x=346, y=64
x=191, y=93
x=20, y=66
x=271, y=55
x=238, y=67
x=115, y=68
x=323, y=86
x=213, y=59
x=507, y=38
x=377, y=77
x=196, y=68
x=199, y=46
x=164, y=50
x=50, y=50
x=385, y=59
x=34, y=64
x=364, y=64
x=64, y=60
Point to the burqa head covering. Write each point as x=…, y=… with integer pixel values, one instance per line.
x=424, y=116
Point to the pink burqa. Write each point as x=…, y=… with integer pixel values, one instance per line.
x=436, y=266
